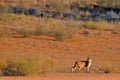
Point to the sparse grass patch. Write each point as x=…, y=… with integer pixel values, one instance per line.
x=5, y=33
x=102, y=25
x=60, y=5
x=110, y=68
x=6, y=17
x=94, y=69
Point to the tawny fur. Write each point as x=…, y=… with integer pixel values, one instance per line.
x=78, y=65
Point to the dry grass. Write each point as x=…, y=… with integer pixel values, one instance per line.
x=90, y=25
x=39, y=26
x=31, y=25
x=60, y=5
x=111, y=68
x=27, y=66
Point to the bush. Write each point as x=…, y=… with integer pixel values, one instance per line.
x=42, y=30
x=24, y=32
x=33, y=11
x=15, y=68
x=90, y=25
x=18, y=9
x=61, y=35
x=28, y=66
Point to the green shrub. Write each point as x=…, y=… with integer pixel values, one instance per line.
x=60, y=35
x=90, y=25
x=28, y=66
x=17, y=9
x=15, y=68
x=24, y=32
x=64, y=33
x=42, y=30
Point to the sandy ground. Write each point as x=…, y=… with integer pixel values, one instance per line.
x=103, y=48
x=65, y=76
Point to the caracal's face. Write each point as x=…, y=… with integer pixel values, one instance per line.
x=74, y=69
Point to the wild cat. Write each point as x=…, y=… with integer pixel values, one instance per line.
x=78, y=65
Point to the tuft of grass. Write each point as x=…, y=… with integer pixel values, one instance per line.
x=42, y=30
x=60, y=35
x=28, y=66
x=64, y=33
x=24, y=32
x=90, y=25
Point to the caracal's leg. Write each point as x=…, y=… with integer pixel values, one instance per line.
x=79, y=69
x=87, y=69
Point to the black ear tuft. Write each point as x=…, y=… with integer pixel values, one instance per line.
x=88, y=58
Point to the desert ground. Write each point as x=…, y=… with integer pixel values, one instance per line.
x=102, y=46
x=65, y=76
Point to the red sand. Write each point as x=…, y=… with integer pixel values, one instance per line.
x=102, y=48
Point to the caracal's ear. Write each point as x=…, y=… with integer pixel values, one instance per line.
x=88, y=58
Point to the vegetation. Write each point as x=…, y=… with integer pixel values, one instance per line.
x=42, y=30
x=60, y=29
x=60, y=5
x=5, y=34
x=24, y=32
x=110, y=3
x=61, y=34
x=32, y=65
x=26, y=26
x=90, y=25
x=2, y=64
x=110, y=68
x=86, y=2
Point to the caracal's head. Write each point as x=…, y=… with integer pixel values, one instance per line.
x=89, y=59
